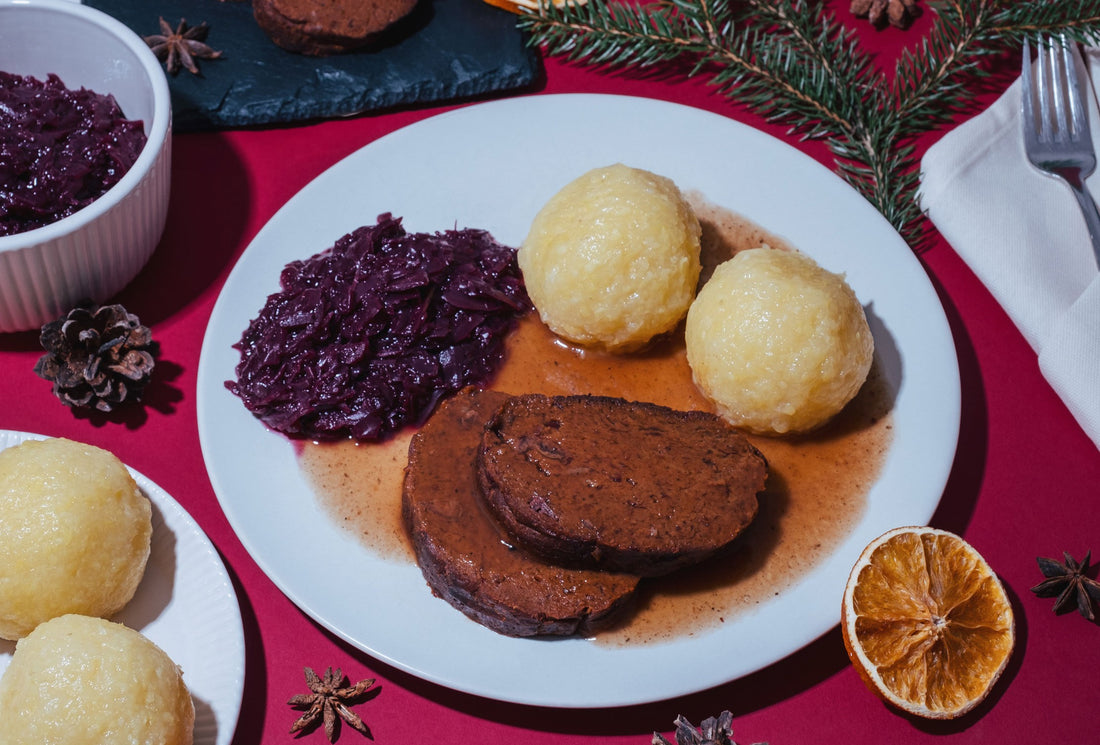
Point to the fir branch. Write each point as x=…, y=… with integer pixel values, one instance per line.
x=1079, y=20
x=792, y=62
x=613, y=34
x=934, y=83
x=818, y=37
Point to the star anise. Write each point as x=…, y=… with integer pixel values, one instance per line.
x=898, y=13
x=182, y=46
x=713, y=731
x=329, y=703
x=1069, y=582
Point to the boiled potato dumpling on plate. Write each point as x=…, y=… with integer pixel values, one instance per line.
x=778, y=343
x=77, y=679
x=612, y=259
x=75, y=533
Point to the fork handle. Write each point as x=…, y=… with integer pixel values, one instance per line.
x=1088, y=209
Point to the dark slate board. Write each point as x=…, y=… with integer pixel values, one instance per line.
x=447, y=49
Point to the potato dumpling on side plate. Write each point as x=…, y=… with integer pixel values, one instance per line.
x=77, y=679
x=776, y=342
x=612, y=260
x=74, y=533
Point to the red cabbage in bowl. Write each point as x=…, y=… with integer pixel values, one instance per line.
x=60, y=150
x=368, y=335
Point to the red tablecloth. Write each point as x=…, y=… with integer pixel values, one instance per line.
x=1024, y=481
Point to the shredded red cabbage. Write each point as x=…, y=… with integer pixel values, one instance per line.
x=367, y=336
x=60, y=150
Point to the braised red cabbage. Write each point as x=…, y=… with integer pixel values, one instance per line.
x=367, y=336
x=60, y=150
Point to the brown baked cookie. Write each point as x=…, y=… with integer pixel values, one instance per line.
x=324, y=27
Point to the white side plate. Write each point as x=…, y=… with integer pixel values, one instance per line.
x=187, y=606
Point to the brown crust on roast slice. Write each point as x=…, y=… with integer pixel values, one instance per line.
x=462, y=553
x=611, y=484
x=324, y=27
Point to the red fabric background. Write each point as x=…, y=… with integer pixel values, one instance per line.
x=1024, y=481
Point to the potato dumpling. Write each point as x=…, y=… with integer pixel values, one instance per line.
x=74, y=533
x=612, y=260
x=777, y=343
x=77, y=679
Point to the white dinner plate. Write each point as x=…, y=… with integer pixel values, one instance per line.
x=492, y=166
x=186, y=605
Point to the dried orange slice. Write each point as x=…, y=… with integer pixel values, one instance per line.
x=926, y=622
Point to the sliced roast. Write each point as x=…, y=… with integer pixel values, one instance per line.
x=465, y=557
x=612, y=484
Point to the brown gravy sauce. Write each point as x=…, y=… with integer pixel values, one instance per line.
x=816, y=491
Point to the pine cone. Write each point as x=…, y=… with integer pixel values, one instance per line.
x=97, y=356
x=898, y=13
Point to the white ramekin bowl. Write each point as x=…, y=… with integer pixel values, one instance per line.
x=95, y=252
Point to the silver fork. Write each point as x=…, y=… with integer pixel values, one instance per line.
x=1058, y=141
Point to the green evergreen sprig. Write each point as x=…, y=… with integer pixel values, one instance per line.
x=793, y=62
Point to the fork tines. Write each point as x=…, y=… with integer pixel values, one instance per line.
x=1057, y=71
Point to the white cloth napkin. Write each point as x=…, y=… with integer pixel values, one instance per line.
x=1023, y=235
